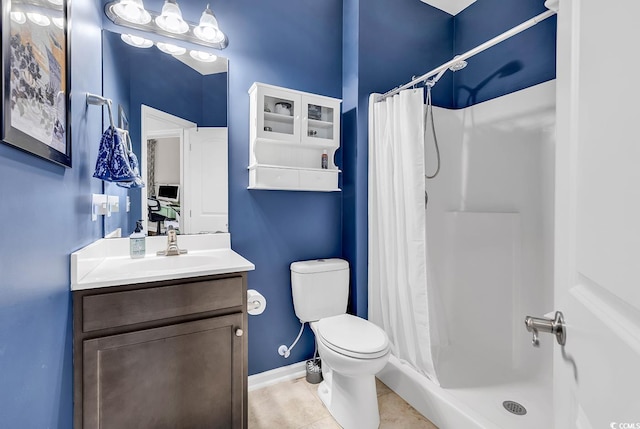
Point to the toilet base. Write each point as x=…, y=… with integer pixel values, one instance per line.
x=352, y=401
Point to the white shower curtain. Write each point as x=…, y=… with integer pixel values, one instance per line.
x=398, y=294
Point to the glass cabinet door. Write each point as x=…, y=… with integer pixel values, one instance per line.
x=320, y=122
x=278, y=115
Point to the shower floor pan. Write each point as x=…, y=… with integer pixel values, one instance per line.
x=478, y=407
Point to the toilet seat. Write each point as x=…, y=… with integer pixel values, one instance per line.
x=353, y=336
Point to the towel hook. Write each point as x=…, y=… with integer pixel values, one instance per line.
x=98, y=100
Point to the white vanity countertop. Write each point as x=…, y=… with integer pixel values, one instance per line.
x=107, y=262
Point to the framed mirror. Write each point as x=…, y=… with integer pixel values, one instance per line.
x=175, y=108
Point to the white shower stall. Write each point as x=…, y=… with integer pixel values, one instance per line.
x=489, y=263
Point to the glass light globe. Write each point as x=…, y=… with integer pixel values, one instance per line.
x=170, y=49
x=138, y=42
x=38, y=19
x=208, y=29
x=18, y=17
x=205, y=57
x=171, y=18
x=58, y=22
x=132, y=11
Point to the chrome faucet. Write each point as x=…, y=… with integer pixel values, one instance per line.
x=172, y=244
x=553, y=326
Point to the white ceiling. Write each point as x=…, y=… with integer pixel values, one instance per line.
x=452, y=7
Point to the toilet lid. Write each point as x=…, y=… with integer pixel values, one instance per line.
x=353, y=336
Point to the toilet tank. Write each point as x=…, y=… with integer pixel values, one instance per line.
x=320, y=288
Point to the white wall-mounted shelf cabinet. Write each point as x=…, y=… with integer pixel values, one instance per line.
x=289, y=133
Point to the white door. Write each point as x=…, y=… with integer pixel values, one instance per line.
x=597, y=279
x=206, y=193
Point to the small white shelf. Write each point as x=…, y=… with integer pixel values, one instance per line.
x=316, y=143
x=278, y=117
x=287, y=150
x=320, y=124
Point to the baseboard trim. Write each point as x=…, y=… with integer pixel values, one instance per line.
x=277, y=375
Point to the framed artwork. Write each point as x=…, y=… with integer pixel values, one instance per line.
x=35, y=70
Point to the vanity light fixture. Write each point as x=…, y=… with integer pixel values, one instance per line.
x=205, y=57
x=208, y=29
x=169, y=23
x=138, y=42
x=171, y=18
x=38, y=19
x=170, y=49
x=131, y=11
x=18, y=17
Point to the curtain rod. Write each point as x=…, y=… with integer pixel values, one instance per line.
x=486, y=45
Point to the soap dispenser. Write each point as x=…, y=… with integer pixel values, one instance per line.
x=137, y=242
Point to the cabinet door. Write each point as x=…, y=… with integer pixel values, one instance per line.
x=278, y=114
x=188, y=375
x=320, y=121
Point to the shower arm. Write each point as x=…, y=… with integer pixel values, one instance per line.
x=438, y=71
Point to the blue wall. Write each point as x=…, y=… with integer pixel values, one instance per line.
x=524, y=60
x=214, y=100
x=47, y=215
x=295, y=44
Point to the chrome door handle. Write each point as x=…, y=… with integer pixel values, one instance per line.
x=553, y=326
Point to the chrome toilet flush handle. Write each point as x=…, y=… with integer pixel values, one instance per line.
x=553, y=326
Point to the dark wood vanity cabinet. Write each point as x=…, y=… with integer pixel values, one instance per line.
x=159, y=355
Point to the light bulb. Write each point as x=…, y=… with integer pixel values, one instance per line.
x=18, y=17
x=132, y=11
x=208, y=29
x=203, y=56
x=138, y=42
x=171, y=18
x=170, y=49
x=58, y=22
x=38, y=19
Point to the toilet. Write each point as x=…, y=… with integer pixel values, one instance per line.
x=352, y=349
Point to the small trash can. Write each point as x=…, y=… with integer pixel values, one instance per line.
x=314, y=371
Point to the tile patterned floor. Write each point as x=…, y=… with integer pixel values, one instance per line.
x=295, y=405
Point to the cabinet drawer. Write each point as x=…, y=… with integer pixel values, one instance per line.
x=320, y=180
x=267, y=177
x=144, y=305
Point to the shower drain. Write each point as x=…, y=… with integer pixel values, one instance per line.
x=514, y=408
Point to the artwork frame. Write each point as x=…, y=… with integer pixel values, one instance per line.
x=36, y=79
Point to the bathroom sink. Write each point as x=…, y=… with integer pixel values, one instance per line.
x=107, y=262
x=154, y=267
x=164, y=263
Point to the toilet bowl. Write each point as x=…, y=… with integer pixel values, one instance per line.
x=352, y=349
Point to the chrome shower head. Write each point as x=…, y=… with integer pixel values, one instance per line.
x=455, y=67
x=459, y=65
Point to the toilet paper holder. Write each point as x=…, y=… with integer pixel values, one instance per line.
x=253, y=305
x=256, y=302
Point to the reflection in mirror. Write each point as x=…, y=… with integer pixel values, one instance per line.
x=176, y=112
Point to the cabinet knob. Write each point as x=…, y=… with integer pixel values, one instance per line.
x=239, y=332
